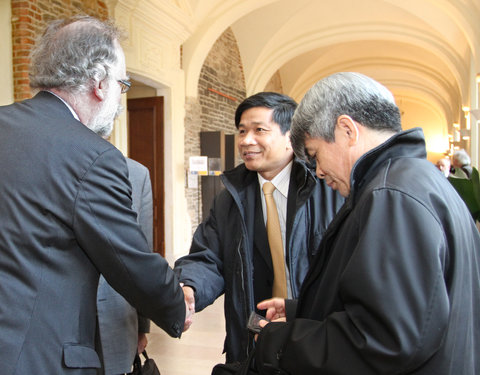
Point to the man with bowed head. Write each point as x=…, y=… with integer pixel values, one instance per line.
x=66, y=209
x=232, y=249
x=394, y=287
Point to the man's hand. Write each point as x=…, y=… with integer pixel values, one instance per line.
x=275, y=309
x=189, y=296
x=142, y=342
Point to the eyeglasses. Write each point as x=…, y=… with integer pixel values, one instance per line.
x=125, y=85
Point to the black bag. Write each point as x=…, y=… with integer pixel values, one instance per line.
x=148, y=368
x=236, y=368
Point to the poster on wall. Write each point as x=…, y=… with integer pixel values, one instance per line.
x=197, y=166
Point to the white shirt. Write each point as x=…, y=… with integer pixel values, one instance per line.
x=281, y=182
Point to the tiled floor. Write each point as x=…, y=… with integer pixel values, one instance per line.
x=199, y=349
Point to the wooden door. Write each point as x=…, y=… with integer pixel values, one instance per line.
x=145, y=141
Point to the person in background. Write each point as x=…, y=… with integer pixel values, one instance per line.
x=231, y=251
x=395, y=285
x=466, y=181
x=66, y=209
x=122, y=332
x=443, y=165
x=461, y=164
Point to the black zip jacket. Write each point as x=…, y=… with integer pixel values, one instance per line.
x=221, y=254
x=395, y=287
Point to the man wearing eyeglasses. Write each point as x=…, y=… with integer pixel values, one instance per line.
x=66, y=209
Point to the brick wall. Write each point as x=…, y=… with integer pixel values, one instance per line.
x=192, y=148
x=275, y=83
x=29, y=18
x=222, y=71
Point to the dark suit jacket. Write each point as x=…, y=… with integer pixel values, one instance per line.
x=118, y=322
x=66, y=216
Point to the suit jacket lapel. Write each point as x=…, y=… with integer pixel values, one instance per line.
x=291, y=209
x=260, y=235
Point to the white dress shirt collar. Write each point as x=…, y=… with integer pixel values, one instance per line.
x=68, y=105
x=281, y=181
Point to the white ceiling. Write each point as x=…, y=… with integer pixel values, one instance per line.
x=425, y=51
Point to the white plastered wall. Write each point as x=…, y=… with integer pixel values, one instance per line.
x=6, y=77
x=152, y=53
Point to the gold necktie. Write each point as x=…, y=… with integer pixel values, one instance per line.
x=275, y=242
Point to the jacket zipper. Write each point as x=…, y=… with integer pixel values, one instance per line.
x=242, y=277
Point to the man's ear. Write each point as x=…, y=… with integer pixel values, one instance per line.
x=349, y=128
x=99, y=89
x=289, y=141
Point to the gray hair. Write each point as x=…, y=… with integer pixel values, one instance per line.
x=363, y=99
x=74, y=53
x=461, y=157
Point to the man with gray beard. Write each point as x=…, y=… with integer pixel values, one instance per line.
x=66, y=209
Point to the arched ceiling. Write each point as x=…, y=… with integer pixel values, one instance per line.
x=427, y=52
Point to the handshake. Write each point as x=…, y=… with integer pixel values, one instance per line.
x=189, y=295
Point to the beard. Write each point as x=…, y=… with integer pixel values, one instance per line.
x=102, y=124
